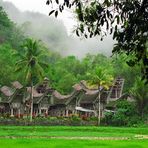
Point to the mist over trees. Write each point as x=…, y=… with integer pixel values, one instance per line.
x=54, y=33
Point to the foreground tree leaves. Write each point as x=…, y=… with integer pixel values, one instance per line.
x=127, y=20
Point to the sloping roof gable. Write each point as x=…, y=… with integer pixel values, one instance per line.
x=7, y=91
x=17, y=85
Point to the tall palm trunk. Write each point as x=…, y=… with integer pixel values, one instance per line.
x=141, y=109
x=99, y=107
x=31, y=100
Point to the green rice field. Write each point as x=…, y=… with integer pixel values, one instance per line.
x=72, y=137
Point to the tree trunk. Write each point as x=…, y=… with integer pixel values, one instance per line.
x=141, y=109
x=31, y=100
x=98, y=109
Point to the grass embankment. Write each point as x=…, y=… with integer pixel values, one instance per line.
x=72, y=137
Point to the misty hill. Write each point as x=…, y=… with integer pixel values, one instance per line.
x=53, y=32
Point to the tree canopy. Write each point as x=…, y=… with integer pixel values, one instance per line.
x=9, y=32
x=140, y=94
x=127, y=20
x=30, y=61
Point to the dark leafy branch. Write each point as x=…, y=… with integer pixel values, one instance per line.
x=127, y=20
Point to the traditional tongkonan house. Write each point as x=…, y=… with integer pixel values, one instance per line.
x=11, y=100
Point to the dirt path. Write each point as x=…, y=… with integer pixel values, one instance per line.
x=138, y=137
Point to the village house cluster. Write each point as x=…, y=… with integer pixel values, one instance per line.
x=15, y=100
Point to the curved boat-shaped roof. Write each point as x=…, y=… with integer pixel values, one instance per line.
x=88, y=95
x=57, y=95
x=7, y=91
x=77, y=87
x=17, y=85
x=58, y=98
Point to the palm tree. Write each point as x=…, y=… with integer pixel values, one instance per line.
x=102, y=79
x=140, y=93
x=31, y=64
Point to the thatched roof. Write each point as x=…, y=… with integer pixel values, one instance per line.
x=17, y=85
x=57, y=95
x=91, y=92
x=89, y=97
x=7, y=91
x=77, y=87
x=58, y=98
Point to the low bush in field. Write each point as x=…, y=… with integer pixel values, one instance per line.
x=125, y=115
x=114, y=120
x=73, y=120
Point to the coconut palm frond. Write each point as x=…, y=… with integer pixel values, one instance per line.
x=30, y=63
x=100, y=77
x=19, y=66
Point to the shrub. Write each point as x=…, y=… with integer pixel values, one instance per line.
x=53, y=118
x=126, y=115
x=120, y=118
x=75, y=118
x=108, y=118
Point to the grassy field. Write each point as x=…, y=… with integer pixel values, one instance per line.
x=61, y=143
x=72, y=137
